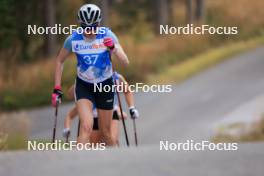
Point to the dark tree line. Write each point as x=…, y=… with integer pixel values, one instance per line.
x=49, y=19
x=195, y=10
x=16, y=15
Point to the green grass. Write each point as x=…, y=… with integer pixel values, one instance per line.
x=18, y=142
x=39, y=94
x=254, y=135
x=13, y=142
x=193, y=65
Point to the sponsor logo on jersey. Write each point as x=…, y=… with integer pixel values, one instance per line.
x=79, y=47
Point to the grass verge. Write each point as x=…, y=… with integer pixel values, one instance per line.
x=255, y=133
x=14, y=142
x=20, y=142
x=14, y=128
x=179, y=72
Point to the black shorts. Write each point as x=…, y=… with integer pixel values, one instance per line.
x=95, y=124
x=102, y=100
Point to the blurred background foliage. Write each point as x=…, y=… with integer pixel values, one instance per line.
x=26, y=61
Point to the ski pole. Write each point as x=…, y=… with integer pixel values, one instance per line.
x=67, y=137
x=122, y=116
x=119, y=103
x=55, y=122
x=78, y=130
x=135, y=132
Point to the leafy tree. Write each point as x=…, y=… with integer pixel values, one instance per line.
x=8, y=30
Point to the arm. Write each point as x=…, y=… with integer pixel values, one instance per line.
x=63, y=54
x=128, y=94
x=111, y=41
x=57, y=93
x=129, y=98
x=120, y=54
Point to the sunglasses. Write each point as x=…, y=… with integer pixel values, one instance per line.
x=89, y=27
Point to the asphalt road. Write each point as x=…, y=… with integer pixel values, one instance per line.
x=187, y=113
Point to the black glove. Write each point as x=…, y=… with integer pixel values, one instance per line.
x=56, y=95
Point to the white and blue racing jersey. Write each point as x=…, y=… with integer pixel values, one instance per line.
x=93, y=61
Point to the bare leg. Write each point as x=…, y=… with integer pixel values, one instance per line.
x=95, y=137
x=115, y=130
x=69, y=117
x=84, y=107
x=105, y=119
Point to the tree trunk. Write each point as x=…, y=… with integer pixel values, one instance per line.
x=49, y=20
x=200, y=10
x=189, y=11
x=171, y=12
x=105, y=8
x=162, y=14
